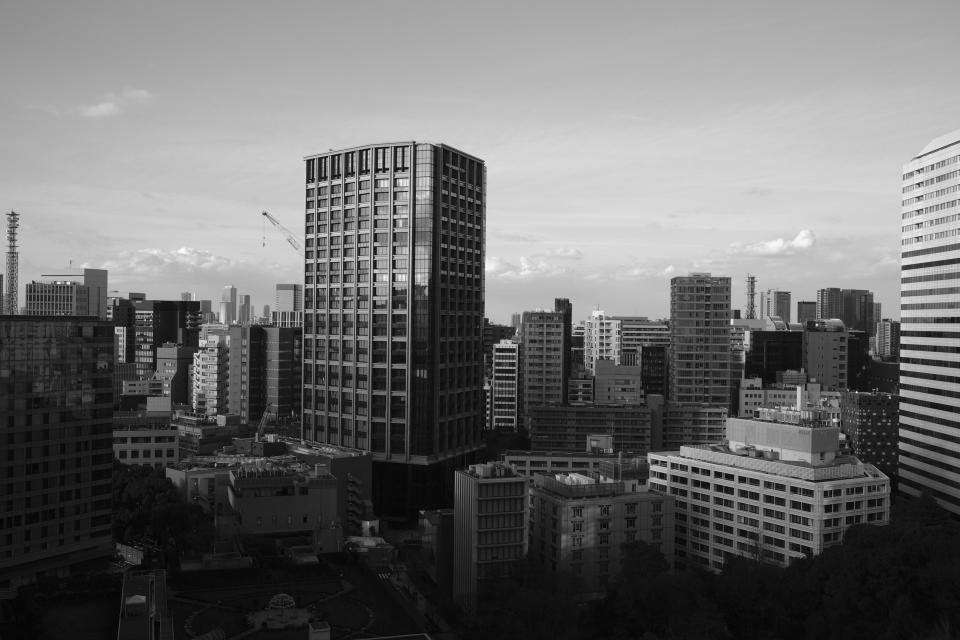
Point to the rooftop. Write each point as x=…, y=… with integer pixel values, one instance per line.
x=841, y=468
x=940, y=142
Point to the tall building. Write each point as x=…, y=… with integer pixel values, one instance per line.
x=826, y=353
x=929, y=313
x=601, y=340
x=228, y=305
x=870, y=420
x=289, y=297
x=244, y=310
x=564, y=306
x=806, y=310
x=56, y=405
x=174, y=363
x=265, y=372
x=888, y=339
x=490, y=530
x=211, y=375
x=775, y=491
x=857, y=310
x=393, y=300
x=637, y=332
x=160, y=321
x=541, y=334
x=774, y=302
x=505, y=391
x=700, y=339
x=829, y=303
x=81, y=293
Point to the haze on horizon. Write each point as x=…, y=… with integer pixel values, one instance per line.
x=625, y=142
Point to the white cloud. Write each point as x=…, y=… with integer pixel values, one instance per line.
x=778, y=247
x=528, y=268
x=182, y=260
x=113, y=103
x=100, y=110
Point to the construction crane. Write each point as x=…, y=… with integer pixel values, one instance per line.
x=263, y=420
x=291, y=238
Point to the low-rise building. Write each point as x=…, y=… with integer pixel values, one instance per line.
x=563, y=428
x=145, y=438
x=754, y=394
x=776, y=490
x=579, y=523
x=283, y=500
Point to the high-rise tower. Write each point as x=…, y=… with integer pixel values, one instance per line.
x=393, y=313
x=10, y=303
x=930, y=317
x=700, y=339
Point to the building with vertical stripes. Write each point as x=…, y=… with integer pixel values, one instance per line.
x=393, y=313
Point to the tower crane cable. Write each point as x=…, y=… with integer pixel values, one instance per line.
x=290, y=237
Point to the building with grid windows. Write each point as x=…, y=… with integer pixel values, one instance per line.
x=776, y=490
x=393, y=313
x=580, y=521
x=505, y=386
x=929, y=317
x=541, y=334
x=775, y=303
x=56, y=405
x=700, y=339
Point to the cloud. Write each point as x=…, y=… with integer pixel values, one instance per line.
x=100, y=110
x=182, y=260
x=528, y=268
x=561, y=253
x=803, y=241
x=112, y=104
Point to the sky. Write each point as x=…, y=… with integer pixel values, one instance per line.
x=625, y=142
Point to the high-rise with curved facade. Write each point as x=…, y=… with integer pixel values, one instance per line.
x=930, y=323
x=393, y=322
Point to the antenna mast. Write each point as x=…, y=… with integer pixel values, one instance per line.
x=10, y=305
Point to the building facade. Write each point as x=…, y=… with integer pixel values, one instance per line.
x=775, y=491
x=541, y=334
x=871, y=423
x=490, y=530
x=393, y=302
x=774, y=302
x=806, y=310
x=81, y=293
x=637, y=428
x=700, y=339
x=888, y=340
x=211, y=376
x=142, y=438
x=579, y=523
x=56, y=404
x=929, y=313
x=505, y=386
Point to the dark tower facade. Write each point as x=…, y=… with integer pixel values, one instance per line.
x=393, y=323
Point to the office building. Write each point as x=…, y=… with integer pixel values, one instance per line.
x=700, y=339
x=857, y=310
x=490, y=530
x=929, y=311
x=493, y=334
x=157, y=322
x=617, y=384
x=871, y=423
x=637, y=333
x=145, y=438
x=393, y=300
x=776, y=490
x=228, y=305
x=769, y=353
x=826, y=353
x=174, y=363
x=56, y=405
x=81, y=293
x=754, y=394
x=806, y=310
x=888, y=340
x=653, y=369
x=505, y=386
x=565, y=307
x=637, y=428
x=541, y=334
x=244, y=310
x=579, y=523
x=692, y=424
x=829, y=303
x=289, y=297
x=775, y=303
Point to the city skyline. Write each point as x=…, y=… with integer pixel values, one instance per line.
x=735, y=140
